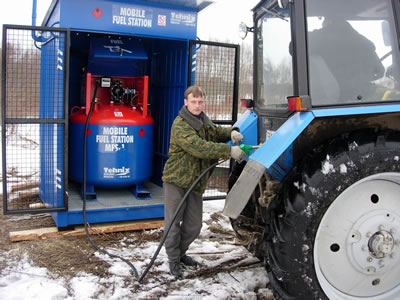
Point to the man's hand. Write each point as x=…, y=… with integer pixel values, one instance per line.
x=237, y=153
x=236, y=137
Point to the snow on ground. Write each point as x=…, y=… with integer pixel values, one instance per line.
x=245, y=278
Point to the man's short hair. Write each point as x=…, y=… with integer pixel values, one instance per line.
x=196, y=91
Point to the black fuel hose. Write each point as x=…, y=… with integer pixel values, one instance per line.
x=84, y=191
x=168, y=228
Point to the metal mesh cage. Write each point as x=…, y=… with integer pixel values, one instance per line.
x=215, y=68
x=33, y=119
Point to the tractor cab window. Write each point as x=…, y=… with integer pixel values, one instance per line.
x=352, y=52
x=274, y=62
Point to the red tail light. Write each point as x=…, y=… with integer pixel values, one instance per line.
x=295, y=103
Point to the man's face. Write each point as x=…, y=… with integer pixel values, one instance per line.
x=194, y=104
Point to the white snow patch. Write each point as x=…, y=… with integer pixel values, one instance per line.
x=25, y=281
x=351, y=164
x=307, y=280
x=85, y=286
x=314, y=191
x=327, y=167
x=309, y=210
x=22, y=280
x=343, y=169
x=353, y=145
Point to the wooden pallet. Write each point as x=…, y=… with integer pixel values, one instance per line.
x=53, y=232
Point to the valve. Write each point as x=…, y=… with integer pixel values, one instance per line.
x=116, y=91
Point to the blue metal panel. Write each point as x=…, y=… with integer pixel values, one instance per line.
x=283, y=164
x=52, y=18
x=282, y=139
x=116, y=57
x=194, y=64
x=373, y=109
x=139, y=18
x=116, y=214
x=247, y=124
x=64, y=219
x=169, y=75
x=52, y=135
x=276, y=153
x=248, y=127
x=197, y=4
x=116, y=49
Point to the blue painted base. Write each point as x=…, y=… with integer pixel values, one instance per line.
x=140, y=192
x=111, y=205
x=90, y=193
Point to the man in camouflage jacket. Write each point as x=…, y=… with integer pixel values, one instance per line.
x=195, y=144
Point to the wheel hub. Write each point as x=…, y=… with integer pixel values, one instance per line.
x=357, y=246
x=381, y=244
x=371, y=243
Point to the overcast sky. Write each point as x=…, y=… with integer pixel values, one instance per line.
x=218, y=21
x=221, y=19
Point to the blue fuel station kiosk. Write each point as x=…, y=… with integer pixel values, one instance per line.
x=113, y=71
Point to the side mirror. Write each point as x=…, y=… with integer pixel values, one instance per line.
x=243, y=30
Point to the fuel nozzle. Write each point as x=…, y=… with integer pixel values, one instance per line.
x=247, y=148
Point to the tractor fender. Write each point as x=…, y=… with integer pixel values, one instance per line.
x=263, y=159
x=275, y=155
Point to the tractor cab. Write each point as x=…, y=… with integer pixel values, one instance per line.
x=317, y=201
x=327, y=53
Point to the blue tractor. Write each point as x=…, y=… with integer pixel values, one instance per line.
x=318, y=201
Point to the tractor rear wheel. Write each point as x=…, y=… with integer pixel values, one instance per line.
x=334, y=227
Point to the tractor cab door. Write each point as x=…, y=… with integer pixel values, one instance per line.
x=34, y=118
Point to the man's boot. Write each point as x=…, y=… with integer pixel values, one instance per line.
x=188, y=261
x=175, y=269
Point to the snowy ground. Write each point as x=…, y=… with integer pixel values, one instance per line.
x=226, y=271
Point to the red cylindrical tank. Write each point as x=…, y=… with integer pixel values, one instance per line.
x=119, y=145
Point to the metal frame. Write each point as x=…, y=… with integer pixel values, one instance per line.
x=259, y=13
x=63, y=121
x=192, y=44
